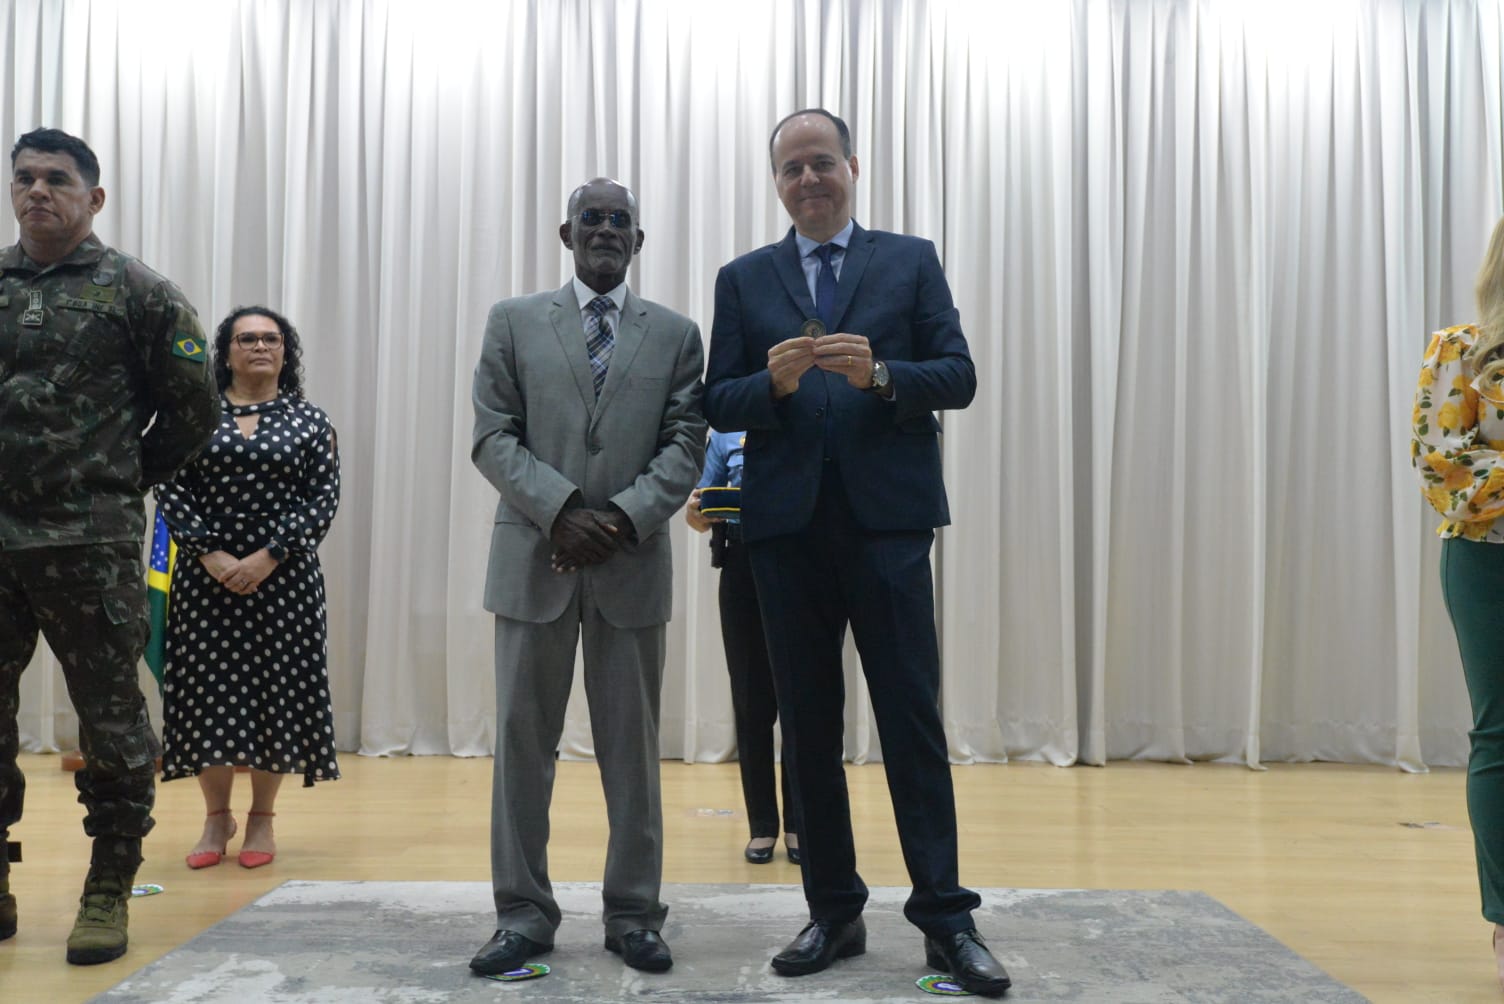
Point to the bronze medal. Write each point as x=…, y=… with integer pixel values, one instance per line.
x=813, y=328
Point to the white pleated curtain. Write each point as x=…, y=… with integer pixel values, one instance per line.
x=1197, y=248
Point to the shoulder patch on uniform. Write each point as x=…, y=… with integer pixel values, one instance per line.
x=188, y=347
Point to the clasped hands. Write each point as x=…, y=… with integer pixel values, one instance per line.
x=239, y=575
x=587, y=537
x=846, y=354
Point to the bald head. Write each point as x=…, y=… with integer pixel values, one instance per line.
x=602, y=232
x=595, y=184
x=814, y=172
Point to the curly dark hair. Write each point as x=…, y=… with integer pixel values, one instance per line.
x=290, y=380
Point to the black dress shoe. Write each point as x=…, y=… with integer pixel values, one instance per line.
x=758, y=855
x=965, y=956
x=645, y=950
x=507, y=950
x=793, y=853
x=819, y=944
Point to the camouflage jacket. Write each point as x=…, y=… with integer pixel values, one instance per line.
x=94, y=349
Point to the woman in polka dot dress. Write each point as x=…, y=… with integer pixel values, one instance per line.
x=246, y=681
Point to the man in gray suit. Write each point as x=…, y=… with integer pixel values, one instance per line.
x=587, y=421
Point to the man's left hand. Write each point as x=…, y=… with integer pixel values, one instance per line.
x=848, y=355
x=613, y=521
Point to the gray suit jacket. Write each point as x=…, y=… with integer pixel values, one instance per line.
x=540, y=435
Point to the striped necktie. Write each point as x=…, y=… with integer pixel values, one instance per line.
x=598, y=338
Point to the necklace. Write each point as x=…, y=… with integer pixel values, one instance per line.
x=245, y=403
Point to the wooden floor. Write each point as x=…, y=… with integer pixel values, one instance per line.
x=1314, y=854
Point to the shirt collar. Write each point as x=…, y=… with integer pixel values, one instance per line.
x=585, y=294
x=841, y=239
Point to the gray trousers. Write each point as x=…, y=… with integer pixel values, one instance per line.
x=623, y=678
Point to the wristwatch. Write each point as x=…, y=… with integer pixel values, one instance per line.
x=277, y=551
x=881, y=378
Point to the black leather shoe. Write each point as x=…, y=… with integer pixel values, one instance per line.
x=965, y=956
x=758, y=855
x=793, y=853
x=819, y=944
x=507, y=950
x=645, y=950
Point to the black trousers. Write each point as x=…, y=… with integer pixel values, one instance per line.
x=812, y=584
x=754, y=703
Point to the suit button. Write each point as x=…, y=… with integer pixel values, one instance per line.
x=595, y=447
x=819, y=412
x=827, y=460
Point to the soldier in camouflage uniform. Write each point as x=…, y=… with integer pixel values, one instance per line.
x=94, y=347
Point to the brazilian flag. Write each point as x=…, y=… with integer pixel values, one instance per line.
x=164, y=553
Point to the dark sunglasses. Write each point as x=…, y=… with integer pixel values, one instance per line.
x=619, y=218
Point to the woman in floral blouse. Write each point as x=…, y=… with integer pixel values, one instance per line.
x=1458, y=448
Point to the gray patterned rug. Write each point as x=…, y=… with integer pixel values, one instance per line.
x=409, y=942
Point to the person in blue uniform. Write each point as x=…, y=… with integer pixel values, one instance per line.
x=753, y=703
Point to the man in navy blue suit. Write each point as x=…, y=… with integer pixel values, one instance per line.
x=833, y=348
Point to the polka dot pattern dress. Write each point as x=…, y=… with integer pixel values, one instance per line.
x=246, y=680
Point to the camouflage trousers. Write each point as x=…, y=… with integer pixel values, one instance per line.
x=89, y=601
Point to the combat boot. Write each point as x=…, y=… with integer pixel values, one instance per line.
x=99, y=933
x=8, y=852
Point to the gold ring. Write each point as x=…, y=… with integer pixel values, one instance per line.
x=848, y=360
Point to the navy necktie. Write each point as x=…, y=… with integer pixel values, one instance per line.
x=825, y=287
x=598, y=338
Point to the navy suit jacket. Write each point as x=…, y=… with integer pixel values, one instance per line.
x=886, y=453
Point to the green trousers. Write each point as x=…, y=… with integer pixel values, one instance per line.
x=1472, y=583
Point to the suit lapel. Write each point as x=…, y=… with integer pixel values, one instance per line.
x=570, y=330
x=630, y=334
x=791, y=273
x=858, y=254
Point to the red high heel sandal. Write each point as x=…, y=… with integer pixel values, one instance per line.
x=255, y=859
x=208, y=859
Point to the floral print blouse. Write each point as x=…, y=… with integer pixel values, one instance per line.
x=1457, y=441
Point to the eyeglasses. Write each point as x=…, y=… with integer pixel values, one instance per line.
x=619, y=218
x=250, y=339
